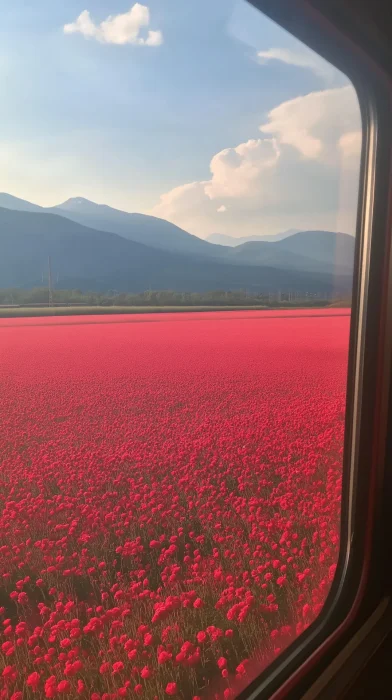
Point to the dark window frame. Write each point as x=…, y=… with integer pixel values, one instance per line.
x=358, y=611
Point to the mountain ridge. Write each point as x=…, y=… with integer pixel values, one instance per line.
x=100, y=261
x=233, y=241
x=322, y=252
x=141, y=228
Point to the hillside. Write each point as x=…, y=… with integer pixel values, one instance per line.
x=140, y=228
x=312, y=251
x=305, y=251
x=325, y=246
x=232, y=241
x=90, y=259
x=8, y=201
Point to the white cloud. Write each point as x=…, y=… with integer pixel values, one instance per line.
x=301, y=58
x=314, y=123
x=236, y=171
x=118, y=29
x=350, y=144
x=303, y=173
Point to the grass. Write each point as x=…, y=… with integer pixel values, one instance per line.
x=23, y=312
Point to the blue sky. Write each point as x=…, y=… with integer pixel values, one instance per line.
x=127, y=124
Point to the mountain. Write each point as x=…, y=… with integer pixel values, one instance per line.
x=312, y=251
x=232, y=241
x=325, y=246
x=97, y=260
x=141, y=228
x=8, y=201
x=306, y=251
x=261, y=253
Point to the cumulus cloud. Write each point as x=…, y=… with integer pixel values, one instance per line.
x=302, y=173
x=301, y=58
x=119, y=29
x=236, y=171
x=314, y=123
x=350, y=144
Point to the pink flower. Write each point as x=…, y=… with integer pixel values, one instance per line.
x=9, y=674
x=64, y=687
x=241, y=669
x=33, y=680
x=118, y=666
x=171, y=689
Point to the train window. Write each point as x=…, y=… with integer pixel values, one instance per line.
x=178, y=224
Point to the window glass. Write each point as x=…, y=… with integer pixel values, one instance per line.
x=178, y=201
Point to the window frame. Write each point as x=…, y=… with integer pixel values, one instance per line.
x=358, y=611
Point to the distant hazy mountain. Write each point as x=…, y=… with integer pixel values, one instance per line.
x=141, y=228
x=315, y=251
x=304, y=251
x=136, y=227
x=8, y=201
x=232, y=241
x=325, y=246
x=97, y=260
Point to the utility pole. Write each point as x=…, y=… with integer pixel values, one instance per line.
x=50, y=286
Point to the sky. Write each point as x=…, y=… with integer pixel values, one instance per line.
x=206, y=114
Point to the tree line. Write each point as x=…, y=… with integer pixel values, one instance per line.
x=39, y=296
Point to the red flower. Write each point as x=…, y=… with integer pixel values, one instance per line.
x=33, y=680
x=212, y=512
x=64, y=687
x=10, y=674
x=163, y=657
x=118, y=666
x=171, y=689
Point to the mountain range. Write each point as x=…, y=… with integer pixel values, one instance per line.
x=95, y=247
x=224, y=239
x=141, y=228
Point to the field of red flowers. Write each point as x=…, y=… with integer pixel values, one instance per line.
x=169, y=498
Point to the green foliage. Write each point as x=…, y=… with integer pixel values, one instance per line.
x=153, y=298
